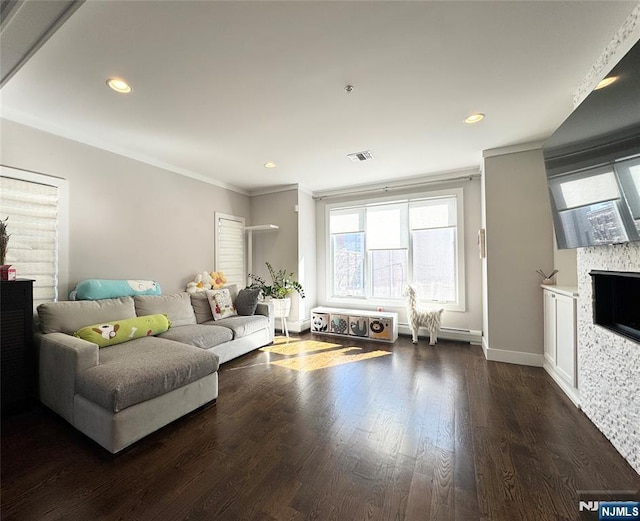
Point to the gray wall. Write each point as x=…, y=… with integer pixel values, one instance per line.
x=292, y=247
x=519, y=241
x=279, y=247
x=566, y=262
x=128, y=220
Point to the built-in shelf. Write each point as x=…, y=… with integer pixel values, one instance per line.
x=261, y=227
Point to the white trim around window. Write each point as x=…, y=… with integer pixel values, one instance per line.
x=364, y=294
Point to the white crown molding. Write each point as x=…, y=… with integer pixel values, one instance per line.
x=33, y=122
x=437, y=177
x=305, y=190
x=623, y=40
x=512, y=149
x=273, y=190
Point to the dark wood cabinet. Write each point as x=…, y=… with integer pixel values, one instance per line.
x=17, y=364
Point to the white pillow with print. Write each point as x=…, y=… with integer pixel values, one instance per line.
x=221, y=303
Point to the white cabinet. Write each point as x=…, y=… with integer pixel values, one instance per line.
x=549, y=327
x=560, y=346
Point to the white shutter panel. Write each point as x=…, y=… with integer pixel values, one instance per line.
x=230, y=248
x=32, y=209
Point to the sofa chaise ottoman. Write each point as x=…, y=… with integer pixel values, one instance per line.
x=117, y=394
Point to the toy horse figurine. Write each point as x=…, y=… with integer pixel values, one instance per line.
x=428, y=318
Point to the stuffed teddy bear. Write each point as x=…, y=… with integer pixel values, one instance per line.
x=218, y=279
x=202, y=282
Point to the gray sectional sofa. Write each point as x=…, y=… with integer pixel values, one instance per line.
x=120, y=393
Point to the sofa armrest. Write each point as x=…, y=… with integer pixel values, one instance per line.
x=266, y=309
x=61, y=357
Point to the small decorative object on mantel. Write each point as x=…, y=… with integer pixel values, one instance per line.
x=4, y=240
x=6, y=271
x=547, y=280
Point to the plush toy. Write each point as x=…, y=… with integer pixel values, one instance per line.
x=218, y=280
x=202, y=282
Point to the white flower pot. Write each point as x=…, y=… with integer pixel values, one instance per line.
x=281, y=307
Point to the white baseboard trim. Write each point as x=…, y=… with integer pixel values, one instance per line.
x=572, y=393
x=462, y=335
x=295, y=326
x=485, y=347
x=449, y=333
x=512, y=357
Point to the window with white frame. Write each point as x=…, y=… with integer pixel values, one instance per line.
x=229, y=246
x=35, y=208
x=377, y=247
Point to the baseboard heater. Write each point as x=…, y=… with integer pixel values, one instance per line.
x=472, y=336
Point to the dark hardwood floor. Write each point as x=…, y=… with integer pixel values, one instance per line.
x=400, y=432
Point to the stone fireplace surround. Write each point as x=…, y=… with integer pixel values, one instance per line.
x=609, y=364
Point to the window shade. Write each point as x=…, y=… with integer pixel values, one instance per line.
x=387, y=227
x=32, y=209
x=435, y=213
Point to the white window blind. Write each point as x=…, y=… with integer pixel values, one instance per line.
x=32, y=211
x=229, y=245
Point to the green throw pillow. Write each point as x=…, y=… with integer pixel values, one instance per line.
x=118, y=331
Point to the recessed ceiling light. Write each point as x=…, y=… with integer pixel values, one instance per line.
x=270, y=164
x=606, y=82
x=474, y=118
x=119, y=85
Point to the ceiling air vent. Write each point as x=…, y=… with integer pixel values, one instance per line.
x=356, y=157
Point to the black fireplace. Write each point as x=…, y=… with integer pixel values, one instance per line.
x=616, y=302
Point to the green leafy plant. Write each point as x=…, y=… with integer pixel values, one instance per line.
x=282, y=283
x=4, y=240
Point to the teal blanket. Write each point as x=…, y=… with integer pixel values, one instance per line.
x=97, y=289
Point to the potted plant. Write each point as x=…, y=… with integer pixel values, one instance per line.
x=5, y=269
x=4, y=240
x=282, y=285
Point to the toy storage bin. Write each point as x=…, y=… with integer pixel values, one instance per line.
x=359, y=326
x=319, y=322
x=339, y=324
x=380, y=328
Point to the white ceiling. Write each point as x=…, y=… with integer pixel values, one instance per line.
x=220, y=88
